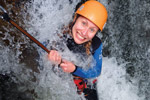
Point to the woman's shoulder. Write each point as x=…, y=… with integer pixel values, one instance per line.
x=96, y=42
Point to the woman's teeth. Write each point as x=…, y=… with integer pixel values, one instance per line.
x=80, y=36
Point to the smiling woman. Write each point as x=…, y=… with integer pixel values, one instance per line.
x=89, y=18
x=80, y=38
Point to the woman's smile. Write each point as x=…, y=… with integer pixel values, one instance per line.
x=80, y=36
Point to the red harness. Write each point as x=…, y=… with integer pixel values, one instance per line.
x=81, y=83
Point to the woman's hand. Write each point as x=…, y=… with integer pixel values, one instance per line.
x=67, y=66
x=54, y=57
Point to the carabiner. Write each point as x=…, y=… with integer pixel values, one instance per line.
x=3, y=10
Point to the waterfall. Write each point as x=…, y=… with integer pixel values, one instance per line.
x=26, y=73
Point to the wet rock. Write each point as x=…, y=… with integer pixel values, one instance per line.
x=9, y=90
x=30, y=57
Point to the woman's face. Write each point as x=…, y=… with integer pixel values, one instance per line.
x=83, y=30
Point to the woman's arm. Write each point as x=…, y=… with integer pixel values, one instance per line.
x=94, y=71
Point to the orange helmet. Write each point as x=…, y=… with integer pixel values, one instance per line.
x=94, y=11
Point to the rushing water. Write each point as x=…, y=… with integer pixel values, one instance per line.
x=26, y=74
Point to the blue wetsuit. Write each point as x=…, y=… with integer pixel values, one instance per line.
x=96, y=50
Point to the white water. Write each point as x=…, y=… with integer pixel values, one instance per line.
x=112, y=84
x=46, y=18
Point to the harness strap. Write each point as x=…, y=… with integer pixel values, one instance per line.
x=80, y=83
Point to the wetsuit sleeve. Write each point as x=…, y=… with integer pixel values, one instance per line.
x=94, y=71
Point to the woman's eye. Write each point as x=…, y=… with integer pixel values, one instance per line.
x=92, y=30
x=83, y=23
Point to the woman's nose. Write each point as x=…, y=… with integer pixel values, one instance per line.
x=84, y=31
